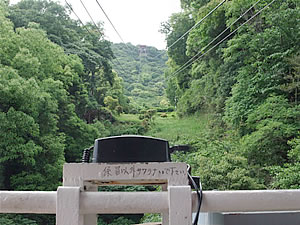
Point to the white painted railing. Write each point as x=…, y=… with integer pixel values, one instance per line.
x=41, y=202
x=78, y=202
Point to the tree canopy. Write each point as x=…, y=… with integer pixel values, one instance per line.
x=142, y=70
x=248, y=79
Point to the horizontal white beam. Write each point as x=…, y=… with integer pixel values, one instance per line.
x=90, y=202
x=123, y=202
x=152, y=202
x=38, y=202
x=249, y=201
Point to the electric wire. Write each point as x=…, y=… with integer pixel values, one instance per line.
x=193, y=27
x=90, y=16
x=110, y=22
x=122, y=68
x=200, y=21
x=180, y=69
x=102, y=9
x=193, y=59
x=70, y=7
x=99, y=31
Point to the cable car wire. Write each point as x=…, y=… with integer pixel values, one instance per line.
x=216, y=38
x=193, y=59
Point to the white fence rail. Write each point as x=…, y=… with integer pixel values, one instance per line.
x=78, y=202
x=40, y=202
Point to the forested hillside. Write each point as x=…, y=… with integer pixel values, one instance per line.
x=241, y=66
x=142, y=69
x=232, y=77
x=58, y=93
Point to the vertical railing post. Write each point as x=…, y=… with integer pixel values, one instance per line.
x=91, y=219
x=165, y=215
x=68, y=206
x=180, y=205
x=88, y=176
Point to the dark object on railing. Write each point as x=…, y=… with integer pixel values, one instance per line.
x=133, y=148
x=86, y=155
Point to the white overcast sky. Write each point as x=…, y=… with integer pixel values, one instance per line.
x=137, y=21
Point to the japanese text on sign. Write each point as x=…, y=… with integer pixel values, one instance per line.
x=134, y=172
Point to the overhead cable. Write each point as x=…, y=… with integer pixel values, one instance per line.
x=110, y=22
x=193, y=27
x=99, y=31
x=200, y=21
x=70, y=7
x=193, y=59
x=96, y=28
x=90, y=16
x=113, y=26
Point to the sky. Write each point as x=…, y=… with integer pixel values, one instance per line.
x=137, y=21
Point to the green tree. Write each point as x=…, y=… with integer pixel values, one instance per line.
x=92, y=49
x=264, y=67
x=174, y=29
x=292, y=168
x=250, y=80
x=29, y=133
x=292, y=84
x=273, y=124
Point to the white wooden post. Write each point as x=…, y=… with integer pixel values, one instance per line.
x=67, y=206
x=180, y=205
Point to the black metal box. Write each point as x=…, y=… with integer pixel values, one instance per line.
x=131, y=148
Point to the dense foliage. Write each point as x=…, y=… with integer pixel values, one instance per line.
x=142, y=68
x=58, y=93
x=249, y=80
x=61, y=87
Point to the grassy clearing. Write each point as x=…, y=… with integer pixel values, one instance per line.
x=175, y=130
x=129, y=117
x=179, y=130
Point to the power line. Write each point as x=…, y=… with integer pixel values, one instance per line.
x=70, y=7
x=193, y=27
x=100, y=35
x=110, y=22
x=90, y=16
x=96, y=28
x=180, y=69
x=192, y=60
x=113, y=28
x=200, y=21
x=120, y=65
